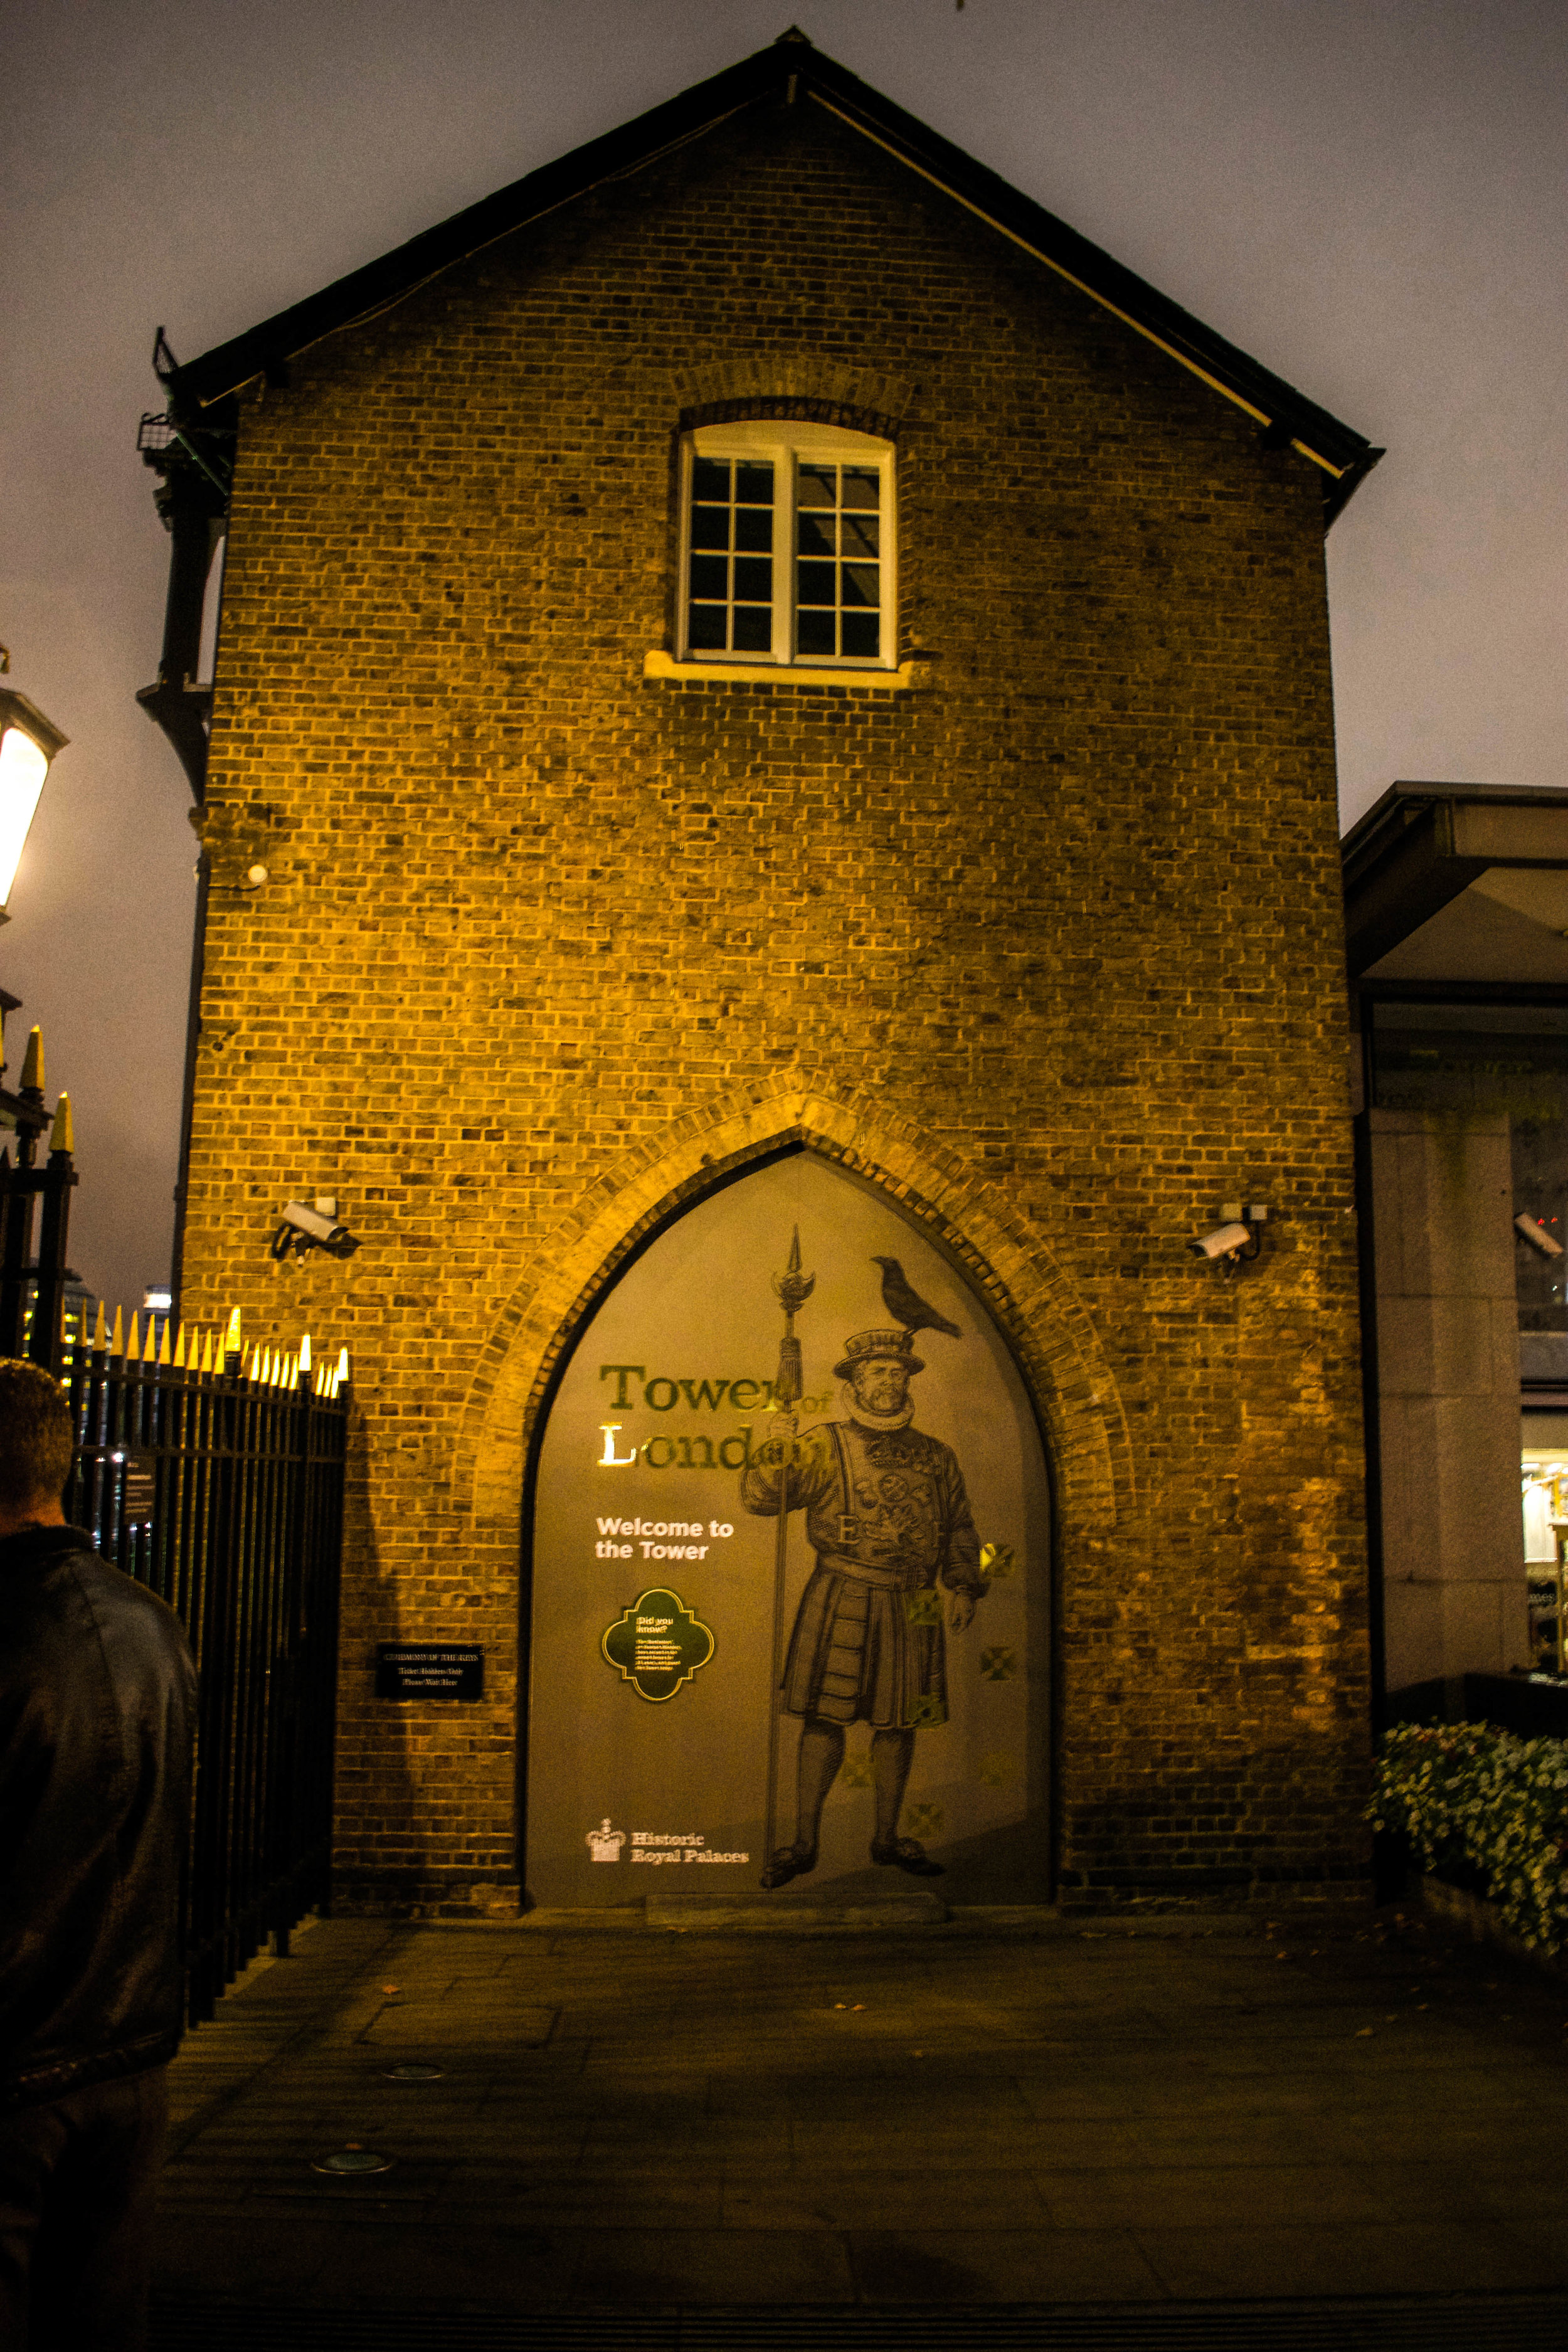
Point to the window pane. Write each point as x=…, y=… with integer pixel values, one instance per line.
x=837, y=548
x=710, y=576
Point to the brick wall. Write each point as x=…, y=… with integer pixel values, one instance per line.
x=1052, y=945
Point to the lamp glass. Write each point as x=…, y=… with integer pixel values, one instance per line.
x=23, y=768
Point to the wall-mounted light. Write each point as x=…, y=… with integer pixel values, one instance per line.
x=1237, y=1240
x=29, y=742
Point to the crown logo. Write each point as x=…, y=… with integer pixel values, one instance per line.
x=605, y=1844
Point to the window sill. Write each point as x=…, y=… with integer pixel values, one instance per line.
x=910, y=677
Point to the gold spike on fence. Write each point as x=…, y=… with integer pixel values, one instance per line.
x=188, y=1347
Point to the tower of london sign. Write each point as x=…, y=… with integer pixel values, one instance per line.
x=791, y=1578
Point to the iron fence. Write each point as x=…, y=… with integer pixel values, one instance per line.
x=218, y=1484
x=221, y=1491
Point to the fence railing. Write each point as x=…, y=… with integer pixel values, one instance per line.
x=218, y=1484
x=221, y=1491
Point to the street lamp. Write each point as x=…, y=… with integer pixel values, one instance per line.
x=29, y=742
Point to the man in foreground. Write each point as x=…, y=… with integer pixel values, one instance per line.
x=97, y=1718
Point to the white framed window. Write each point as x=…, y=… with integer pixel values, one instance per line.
x=786, y=547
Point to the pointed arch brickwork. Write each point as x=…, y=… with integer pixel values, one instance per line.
x=1053, y=1336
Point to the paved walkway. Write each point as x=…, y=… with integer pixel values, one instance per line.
x=997, y=2110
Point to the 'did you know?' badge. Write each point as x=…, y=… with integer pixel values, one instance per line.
x=658, y=1644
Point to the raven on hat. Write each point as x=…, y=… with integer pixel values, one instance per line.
x=906, y=1305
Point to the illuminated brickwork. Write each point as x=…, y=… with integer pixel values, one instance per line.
x=1051, y=943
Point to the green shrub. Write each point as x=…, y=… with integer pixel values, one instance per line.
x=1471, y=1800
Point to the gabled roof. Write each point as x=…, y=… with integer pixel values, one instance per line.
x=791, y=67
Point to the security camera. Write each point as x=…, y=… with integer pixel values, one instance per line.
x=1224, y=1241
x=1536, y=1234
x=304, y=1229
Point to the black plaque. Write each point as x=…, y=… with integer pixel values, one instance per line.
x=420, y=1670
x=658, y=1643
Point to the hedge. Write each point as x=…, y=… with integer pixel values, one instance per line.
x=1486, y=1809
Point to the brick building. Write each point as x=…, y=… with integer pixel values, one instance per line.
x=759, y=648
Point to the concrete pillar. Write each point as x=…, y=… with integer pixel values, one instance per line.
x=1447, y=1366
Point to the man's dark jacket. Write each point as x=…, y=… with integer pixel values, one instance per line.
x=96, y=1716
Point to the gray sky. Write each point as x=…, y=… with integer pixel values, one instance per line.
x=1368, y=196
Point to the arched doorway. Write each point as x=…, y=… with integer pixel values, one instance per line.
x=913, y=1619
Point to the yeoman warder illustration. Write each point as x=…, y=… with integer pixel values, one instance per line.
x=889, y=1519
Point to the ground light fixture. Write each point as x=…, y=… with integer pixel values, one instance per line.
x=1237, y=1240
x=354, y=2161
x=29, y=742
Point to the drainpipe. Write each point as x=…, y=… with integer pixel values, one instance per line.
x=191, y=454
x=175, y=702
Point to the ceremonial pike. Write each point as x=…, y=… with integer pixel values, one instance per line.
x=792, y=1290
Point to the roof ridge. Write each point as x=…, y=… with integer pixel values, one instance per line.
x=792, y=64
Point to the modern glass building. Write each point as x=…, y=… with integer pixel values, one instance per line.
x=1456, y=919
